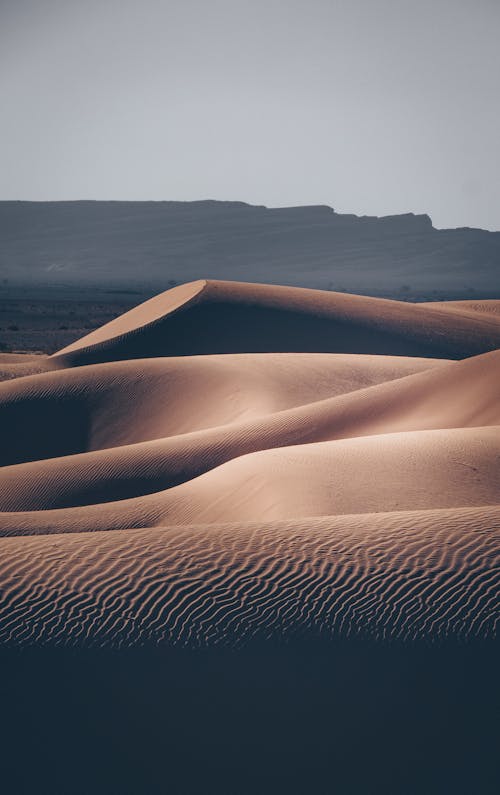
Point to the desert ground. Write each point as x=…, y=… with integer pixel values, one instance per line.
x=232, y=466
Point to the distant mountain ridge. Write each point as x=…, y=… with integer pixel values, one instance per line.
x=150, y=244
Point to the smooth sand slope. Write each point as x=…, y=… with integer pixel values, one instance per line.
x=404, y=471
x=446, y=395
x=489, y=306
x=91, y=405
x=232, y=459
x=235, y=317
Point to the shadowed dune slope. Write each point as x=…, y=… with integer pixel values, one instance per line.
x=229, y=461
x=119, y=403
x=422, y=574
x=457, y=394
x=14, y=365
x=405, y=471
x=196, y=318
x=488, y=306
x=425, y=469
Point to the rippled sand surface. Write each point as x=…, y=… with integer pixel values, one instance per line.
x=229, y=462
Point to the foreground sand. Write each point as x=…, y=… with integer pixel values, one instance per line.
x=230, y=461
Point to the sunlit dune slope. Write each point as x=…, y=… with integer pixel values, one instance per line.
x=231, y=460
x=419, y=470
x=448, y=395
x=416, y=575
x=98, y=406
x=489, y=306
x=235, y=317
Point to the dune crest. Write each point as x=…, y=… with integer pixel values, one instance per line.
x=196, y=318
x=233, y=438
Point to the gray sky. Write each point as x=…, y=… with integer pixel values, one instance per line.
x=370, y=106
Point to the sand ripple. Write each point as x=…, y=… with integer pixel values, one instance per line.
x=322, y=468
x=403, y=575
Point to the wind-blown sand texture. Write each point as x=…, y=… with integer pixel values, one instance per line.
x=229, y=461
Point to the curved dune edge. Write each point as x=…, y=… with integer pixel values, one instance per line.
x=121, y=403
x=403, y=471
x=448, y=396
x=212, y=316
x=233, y=461
x=141, y=316
x=417, y=575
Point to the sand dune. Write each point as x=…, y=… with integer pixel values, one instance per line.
x=91, y=405
x=195, y=318
x=405, y=471
x=390, y=575
x=489, y=306
x=227, y=459
x=454, y=395
x=13, y=365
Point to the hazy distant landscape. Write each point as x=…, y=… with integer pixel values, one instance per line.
x=69, y=267
x=149, y=244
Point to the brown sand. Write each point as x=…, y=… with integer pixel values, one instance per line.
x=489, y=306
x=322, y=465
x=235, y=317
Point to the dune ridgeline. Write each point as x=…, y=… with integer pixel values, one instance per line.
x=230, y=461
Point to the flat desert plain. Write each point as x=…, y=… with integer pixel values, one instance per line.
x=229, y=462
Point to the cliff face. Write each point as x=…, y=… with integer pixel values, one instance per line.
x=151, y=243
